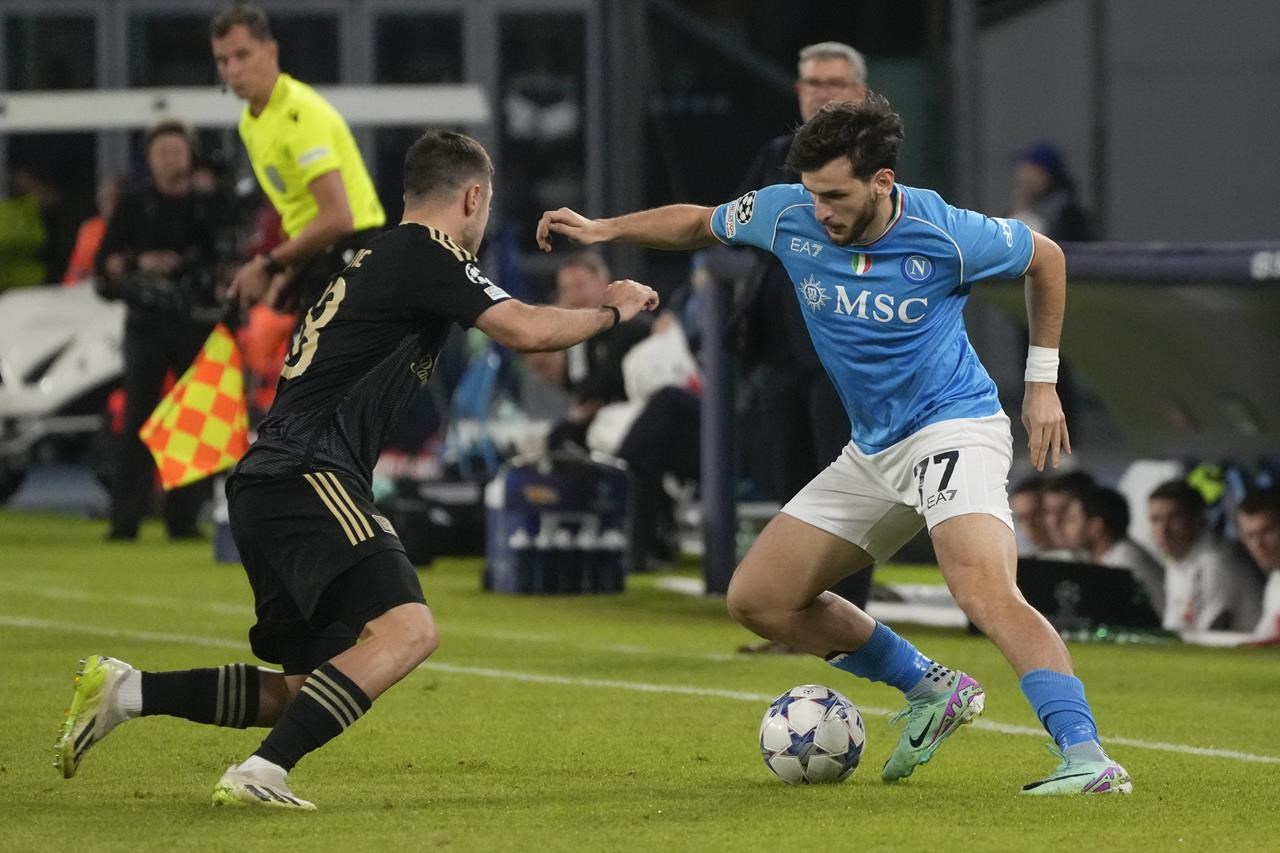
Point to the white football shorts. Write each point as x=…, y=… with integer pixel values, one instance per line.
x=879, y=501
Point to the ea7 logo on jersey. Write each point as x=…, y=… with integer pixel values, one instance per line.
x=806, y=247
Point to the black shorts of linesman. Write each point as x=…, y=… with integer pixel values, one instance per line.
x=325, y=567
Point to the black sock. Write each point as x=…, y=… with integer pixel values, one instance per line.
x=327, y=703
x=225, y=696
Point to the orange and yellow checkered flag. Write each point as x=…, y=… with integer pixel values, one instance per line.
x=201, y=426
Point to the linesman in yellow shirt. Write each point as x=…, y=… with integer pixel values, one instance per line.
x=306, y=161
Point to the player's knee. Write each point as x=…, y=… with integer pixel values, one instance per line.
x=408, y=631
x=420, y=638
x=750, y=609
x=983, y=604
x=739, y=602
x=427, y=641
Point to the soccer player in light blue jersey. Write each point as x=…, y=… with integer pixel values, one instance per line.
x=882, y=272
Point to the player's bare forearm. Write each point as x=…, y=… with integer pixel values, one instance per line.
x=561, y=328
x=674, y=227
x=1042, y=415
x=1046, y=293
x=542, y=328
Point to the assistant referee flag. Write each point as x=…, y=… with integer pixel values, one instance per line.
x=201, y=426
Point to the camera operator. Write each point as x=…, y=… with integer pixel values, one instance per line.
x=159, y=255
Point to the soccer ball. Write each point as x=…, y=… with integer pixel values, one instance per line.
x=811, y=734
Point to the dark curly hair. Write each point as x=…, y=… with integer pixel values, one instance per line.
x=869, y=134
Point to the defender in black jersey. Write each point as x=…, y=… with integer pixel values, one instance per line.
x=326, y=569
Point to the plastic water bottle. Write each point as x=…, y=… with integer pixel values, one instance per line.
x=567, y=563
x=588, y=558
x=544, y=574
x=521, y=559
x=613, y=544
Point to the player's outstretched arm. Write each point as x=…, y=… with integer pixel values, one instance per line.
x=1046, y=305
x=541, y=328
x=674, y=227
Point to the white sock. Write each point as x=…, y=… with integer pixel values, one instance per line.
x=129, y=694
x=258, y=764
x=1089, y=750
x=932, y=684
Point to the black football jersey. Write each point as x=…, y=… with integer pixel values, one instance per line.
x=361, y=351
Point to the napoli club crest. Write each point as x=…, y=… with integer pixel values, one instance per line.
x=917, y=268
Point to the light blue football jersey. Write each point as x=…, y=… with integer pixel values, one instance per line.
x=886, y=318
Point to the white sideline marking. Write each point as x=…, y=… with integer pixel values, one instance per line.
x=601, y=683
x=123, y=633
x=57, y=594
x=227, y=608
x=154, y=601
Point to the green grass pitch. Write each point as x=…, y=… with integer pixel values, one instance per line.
x=613, y=723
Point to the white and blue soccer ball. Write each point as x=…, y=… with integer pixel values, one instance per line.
x=812, y=734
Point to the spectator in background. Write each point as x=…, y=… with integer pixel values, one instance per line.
x=1057, y=494
x=665, y=438
x=590, y=371
x=807, y=423
x=1096, y=525
x=1258, y=520
x=84, y=254
x=1027, y=503
x=1044, y=195
x=1207, y=586
x=24, y=236
x=158, y=255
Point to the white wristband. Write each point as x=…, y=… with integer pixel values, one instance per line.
x=1042, y=364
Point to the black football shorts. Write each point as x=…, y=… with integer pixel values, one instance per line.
x=322, y=561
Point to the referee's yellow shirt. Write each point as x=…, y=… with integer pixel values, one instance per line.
x=297, y=138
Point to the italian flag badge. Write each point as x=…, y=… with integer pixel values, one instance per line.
x=861, y=263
